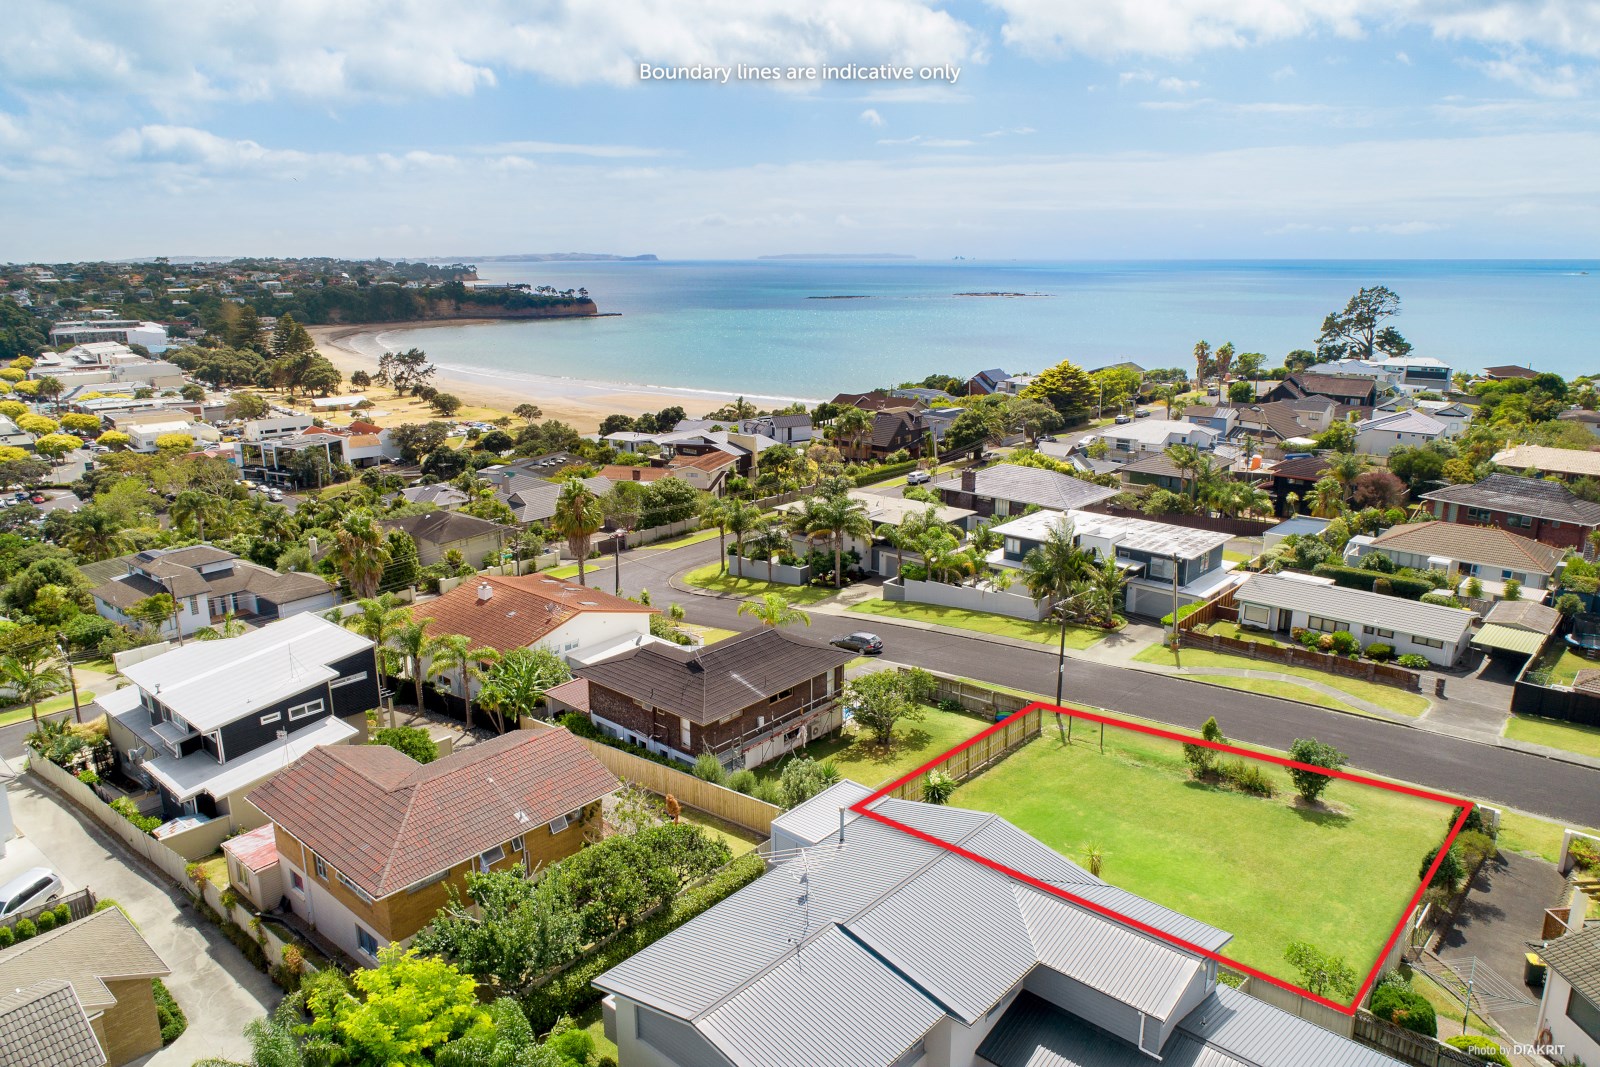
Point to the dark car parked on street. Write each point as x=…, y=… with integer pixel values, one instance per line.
x=863, y=642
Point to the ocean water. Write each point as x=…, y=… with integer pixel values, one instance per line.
x=756, y=327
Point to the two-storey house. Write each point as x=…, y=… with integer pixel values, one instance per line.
x=371, y=843
x=208, y=584
x=1007, y=489
x=1545, y=511
x=202, y=724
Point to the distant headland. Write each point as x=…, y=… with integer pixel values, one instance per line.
x=565, y=257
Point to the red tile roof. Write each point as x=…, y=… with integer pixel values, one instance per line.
x=521, y=611
x=711, y=461
x=618, y=472
x=257, y=849
x=387, y=822
x=574, y=693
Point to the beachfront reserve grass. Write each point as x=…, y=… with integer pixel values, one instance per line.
x=915, y=743
x=1385, y=696
x=711, y=577
x=1569, y=736
x=1267, y=870
x=1044, y=633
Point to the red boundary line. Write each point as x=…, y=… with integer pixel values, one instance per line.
x=862, y=808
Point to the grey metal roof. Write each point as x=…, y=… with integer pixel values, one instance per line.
x=1031, y=485
x=816, y=820
x=1257, y=1033
x=1358, y=607
x=1576, y=958
x=43, y=1025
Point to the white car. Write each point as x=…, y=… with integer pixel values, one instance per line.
x=38, y=885
x=918, y=478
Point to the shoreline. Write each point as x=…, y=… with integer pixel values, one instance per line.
x=578, y=402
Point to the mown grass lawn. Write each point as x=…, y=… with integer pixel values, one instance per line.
x=1565, y=670
x=1386, y=696
x=709, y=635
x=915, y=744
x=711, y=577
x=1569, y=736
x=738, y=839
x=685, y=541
x=1267, y=870
x=46, y=707
x=1043, y=633
x=1272, y=687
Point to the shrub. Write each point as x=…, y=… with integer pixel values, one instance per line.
x=1442, y=597
x=412, y=740
x=1183, y=613
x=88, y=777
x=1344, y=642
x=1247, y=778
x=1413, y=661
x=173, y=1021
x=45, y=922
x=25, y=929
x=1297, y=634
x=126, y=808
x=1379, y=652
x=1405, y=1007
x=1450, y=873
x=7, y=938
x=803, y=778
x=1513, y=589
x=1474, y=847
x=770, y=791
x=1568, y=604
x=1311, y=784
x=1377, y=561
x=1310, y=639
x=1199, y=757
x=708, y=768
x=743, y=780
x=580, y=724
x=1475, y=589
x=1383, y=587
x=1325, y=643
x=1355, y=578
x=63, y=913
x=938, y=787
x=1584, y=854
x=1481, y=1047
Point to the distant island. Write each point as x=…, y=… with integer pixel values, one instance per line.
x=839, y=255
x=566, y=257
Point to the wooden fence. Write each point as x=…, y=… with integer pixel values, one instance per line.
x=1414, y=1048
x=993, y=704
x=979, y=757
x=1223, y=607
x=748, y=812
x=1295, y=656
x=79, y=904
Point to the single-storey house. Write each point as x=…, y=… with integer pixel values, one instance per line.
x=748, y=699
x=1546, y=511
x=1509, y=371
x=1489, y=553
x=439, y=532
x=878, y=555
x=1564, y=463
x=1007, y=489
x=1279, y=603
x=1156, y=435
x=1569, y=1008
x=372, y=843
x=1297, y=526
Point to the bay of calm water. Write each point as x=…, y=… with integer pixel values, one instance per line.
x=750, y=326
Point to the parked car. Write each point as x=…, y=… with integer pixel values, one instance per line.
x=918, y=478
x=274, y=495
x=861, y=641
x=35, y=886
x=1142, y=413
x=1122, y=420
x=38, y=498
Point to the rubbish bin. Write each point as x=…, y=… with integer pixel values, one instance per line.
x=1438, y=687
x=1533, y=970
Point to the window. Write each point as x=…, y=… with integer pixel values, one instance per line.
x=1583, y=1012
x=417, y=887
x=1427, y=642
x=780, y=696
x=321, y=868
x=685, y=735
x=1481, y=515
x=1519, y=520
x=1378, y=631
x=268, y=720
x=366, y=942
x=1160, y=569
x=352, y=680
x=297, y=883
x=357, y=890
x=558, y=824
x=1259, y=614
x=516, y=844
x=1327, y=626
x=490, y=858
x=306, y=710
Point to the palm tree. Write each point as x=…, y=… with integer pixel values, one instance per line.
x=195, y=508
x=50, y=388
x=713, y=512
x=1107, y=582
x=1051, y=572
x=517, y=683
x=95, y=535
x=1187, y=459
x=740, y=519
x=360, y=552
x=274, y=522
x=852, y=425
x=30, y=672
x=1344, y=468
x=895, y=534
x=1202, y=359
x=769, y=541
x=1327, y=499
x=410, y=642
x=231, y=627
x=1224, y=360
x=454, y=652
x=838, y=517
x=377, y=619
x=774, y=611
x=578, y=517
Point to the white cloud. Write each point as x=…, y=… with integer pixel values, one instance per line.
x=1129, y=76
x=1011, y=131
x=1401, y=57
x=871, y=118
x=1177, y=85
x=1528, y=72
x=1282, y=73
x=1399, y=229
x=927, y=142
x=599, y=151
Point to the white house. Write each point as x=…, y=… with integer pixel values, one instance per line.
x=1380, y=435
x=1406, y=374
x=1154, y=435
x=209, y=584
x=1570, y=1006
x=1280, y=602
x=151, y=335
x=145, y=435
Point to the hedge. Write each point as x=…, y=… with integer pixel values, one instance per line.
x=1356, y=578
x=173, y=1021
x=572, y=991
x=1481, y=1047
x=885, y=472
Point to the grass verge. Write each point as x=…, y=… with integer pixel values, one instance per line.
x=46, y=707
x=711, y=577
x=1272, y=687
x=1567, y=736
x=1044, y=633
x=1385, y=696
x=698, y=537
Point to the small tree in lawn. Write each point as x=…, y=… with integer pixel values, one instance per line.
x=1199, y=757
x=880, y=700
x=1321, y=973
x=1310, y=784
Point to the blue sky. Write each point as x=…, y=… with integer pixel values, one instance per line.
x=1090, y=129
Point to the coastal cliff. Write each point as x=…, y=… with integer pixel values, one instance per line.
x=448, y=309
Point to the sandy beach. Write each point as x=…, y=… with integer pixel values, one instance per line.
x=579, y=403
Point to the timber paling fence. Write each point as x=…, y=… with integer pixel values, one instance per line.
x=981, y=755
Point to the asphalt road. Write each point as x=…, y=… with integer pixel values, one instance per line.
x=1498, y=776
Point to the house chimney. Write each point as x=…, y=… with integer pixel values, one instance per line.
x=969, y=481
x=485, y=592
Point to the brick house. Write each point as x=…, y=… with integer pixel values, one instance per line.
x=1547, y=512
x=370, y=842
x=748, y=699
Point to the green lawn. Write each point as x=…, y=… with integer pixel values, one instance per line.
x=569, y=571
x=1584, y=740
x=1224, y=628
x=685, y=541
x=1231, y=556
x=738, y=839
x=46, y=707
x=1272, y=687
x=960, y=618
x=1264, y=869
x=1567, y=667
x=708, y=634
x=594, y=1021
x=1386, y=696
x=915, y=744
x=711, y=577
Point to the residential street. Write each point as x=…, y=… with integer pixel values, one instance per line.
x=218, y=989
x=1493, y=774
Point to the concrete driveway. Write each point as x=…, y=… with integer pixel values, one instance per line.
x=218, y=989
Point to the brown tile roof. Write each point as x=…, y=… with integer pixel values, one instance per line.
x=441, y=527
x=1332, y=385
x=43, y=1025
x=1576, y=957
x=1472, y=544
x=86, y=953
x=1524, y=615
x=617, y=472
x=1587, y=680
x=711, y=461
x=708, y=684
x=521, y=611
x=1510, y=371
x=1305, y=469
x=573, y=693
x=386, y=822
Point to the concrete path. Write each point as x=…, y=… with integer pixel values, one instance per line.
x=218, y=989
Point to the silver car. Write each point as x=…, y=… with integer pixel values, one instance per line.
x=38, y=885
